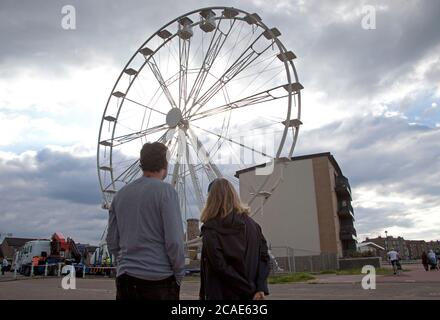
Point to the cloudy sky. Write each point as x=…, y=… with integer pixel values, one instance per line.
x=371, y=97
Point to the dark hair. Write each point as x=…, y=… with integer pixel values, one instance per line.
x=153, y=157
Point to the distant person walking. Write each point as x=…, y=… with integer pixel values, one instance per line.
x=5, y=265
x=145, y=232
x=425, y=261
x=234, y=260
x=432, y=259
x=393, y=258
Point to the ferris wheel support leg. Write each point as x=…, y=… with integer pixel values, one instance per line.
x=195, y=181
x=181, y=146
x=174, y=179
x=204, y=156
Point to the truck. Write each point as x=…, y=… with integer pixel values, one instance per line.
x=31, y=249
x=38, y=253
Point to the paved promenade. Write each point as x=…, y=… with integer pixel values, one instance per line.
x=414, y=284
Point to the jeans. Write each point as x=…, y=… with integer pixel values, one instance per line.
x=131, y=288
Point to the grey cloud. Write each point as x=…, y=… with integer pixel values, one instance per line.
x=109, y=29
x=51, y=191
x=341, y=58
x=369, y=220
x=380, y=150
x=40, y=217
x=385, y=154
x=334, y=55
x=433, y=74
x=57, y=175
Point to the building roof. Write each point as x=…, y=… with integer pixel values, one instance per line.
x=370, y=244
x=416, y=241
x=16, y=242
x=297, y=158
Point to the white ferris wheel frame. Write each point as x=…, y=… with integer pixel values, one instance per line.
x=177, y=118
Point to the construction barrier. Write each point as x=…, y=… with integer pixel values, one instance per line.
x=100, y=269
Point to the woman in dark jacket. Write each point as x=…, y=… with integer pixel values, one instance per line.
x=235, y=260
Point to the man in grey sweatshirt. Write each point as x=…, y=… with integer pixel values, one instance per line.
x=145, y=232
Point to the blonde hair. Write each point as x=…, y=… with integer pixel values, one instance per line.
x=222, y=200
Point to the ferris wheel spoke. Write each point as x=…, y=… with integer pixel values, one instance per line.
x=158, y=75
x=145, y=106
x=203, y=155
x=172, y=147
x=201, y=165
x=207, y=169
x=194, y=180
x=163, y=137
x=197, y=168
x=116, y=141
x=234, y=142
x=184, y=47
x=216, y=44
x=241, y=63
x=124, y=173
x=202, y=170
x=261, y=97
x=133, y=174
x=175, y=175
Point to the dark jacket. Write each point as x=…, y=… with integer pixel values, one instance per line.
x=235, y=260
x=424, y=258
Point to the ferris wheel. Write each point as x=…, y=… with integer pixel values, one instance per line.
x=218, y=87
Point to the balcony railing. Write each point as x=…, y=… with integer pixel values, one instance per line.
x=348, y=233
x=347, y=236
x=346, y=212
x=343, y=187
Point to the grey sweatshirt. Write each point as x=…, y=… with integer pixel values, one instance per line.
x=145, y=230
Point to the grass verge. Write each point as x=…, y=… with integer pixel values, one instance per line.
x=290, y=277
x=358, y=271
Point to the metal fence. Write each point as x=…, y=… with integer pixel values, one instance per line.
x=287, y=259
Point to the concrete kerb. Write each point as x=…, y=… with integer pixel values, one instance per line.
x=25, y=278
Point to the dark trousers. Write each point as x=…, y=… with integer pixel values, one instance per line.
x=131, y=288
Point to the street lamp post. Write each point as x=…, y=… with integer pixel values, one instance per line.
x=386, y=241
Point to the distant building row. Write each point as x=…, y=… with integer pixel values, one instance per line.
x=408, y=249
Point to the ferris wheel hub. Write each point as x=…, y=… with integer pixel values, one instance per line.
x=174, y=117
